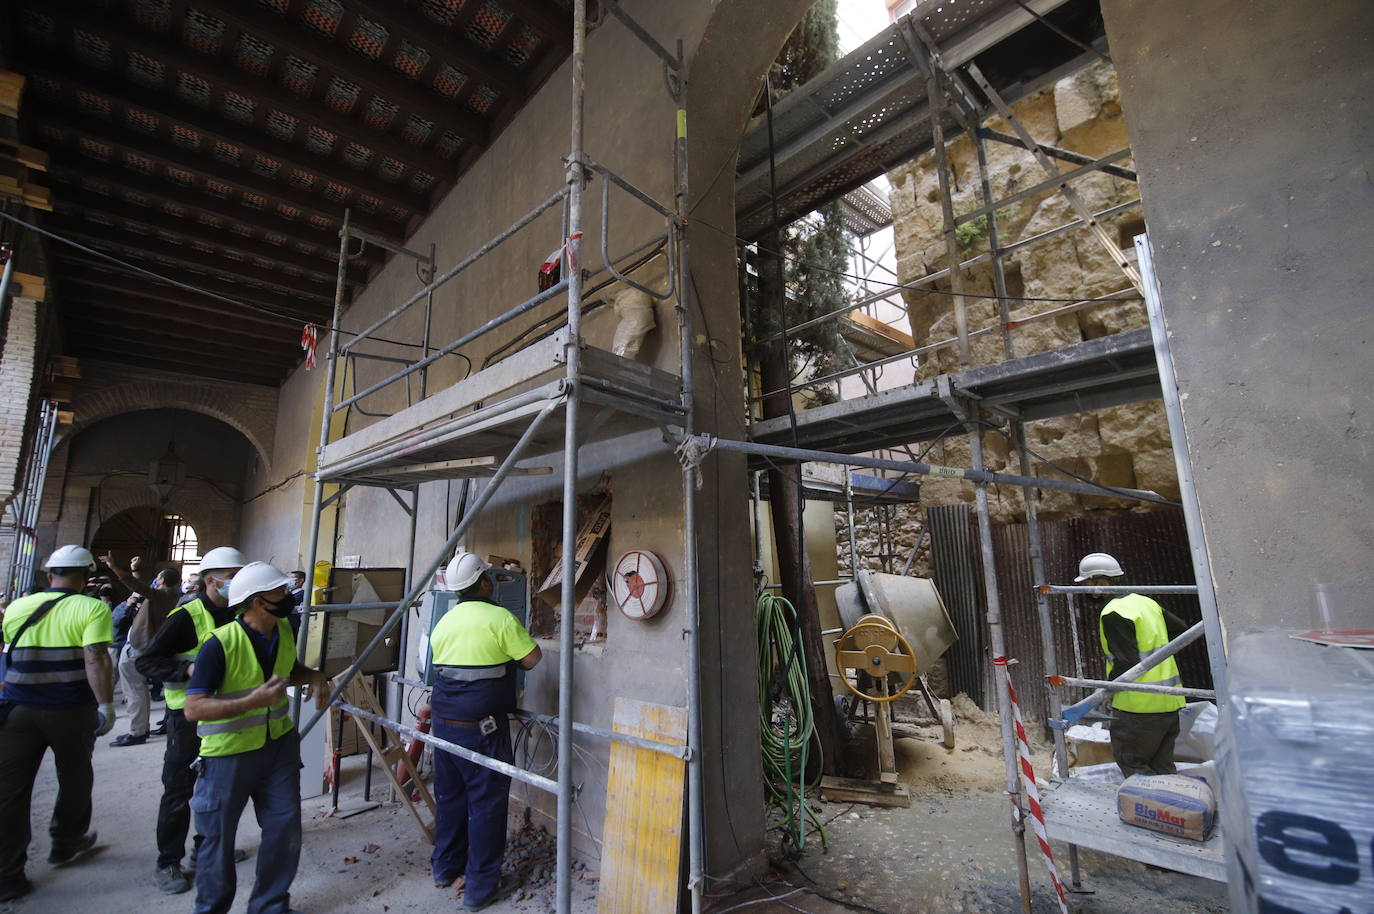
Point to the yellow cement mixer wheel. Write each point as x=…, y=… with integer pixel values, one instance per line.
x=874, y=646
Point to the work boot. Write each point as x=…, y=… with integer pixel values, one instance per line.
x=83, y=846
x=504, y=888
x=18, y=887
x=129, y=739
x=160, y=729
x=170, y=880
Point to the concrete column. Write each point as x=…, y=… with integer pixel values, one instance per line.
x=1251, y=126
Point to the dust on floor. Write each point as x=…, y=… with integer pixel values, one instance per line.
x=953, y=850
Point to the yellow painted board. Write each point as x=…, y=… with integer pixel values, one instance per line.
x=642, y=840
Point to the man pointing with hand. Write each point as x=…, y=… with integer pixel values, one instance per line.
x=248, y=745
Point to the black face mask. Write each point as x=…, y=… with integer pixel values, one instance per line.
x=281, y=608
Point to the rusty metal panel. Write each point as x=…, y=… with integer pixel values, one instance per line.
x=958, y=578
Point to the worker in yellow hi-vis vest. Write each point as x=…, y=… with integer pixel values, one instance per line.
x=58, y=690
x=1144, y=724
x=476, y=646
x=248, y=744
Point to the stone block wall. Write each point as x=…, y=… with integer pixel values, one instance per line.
x=1124, y=446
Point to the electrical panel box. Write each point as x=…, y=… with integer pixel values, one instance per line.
x=509, y=589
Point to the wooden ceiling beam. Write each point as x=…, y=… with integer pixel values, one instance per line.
x=80, y=288
x=72, y=169
x=479, y=65
x=116, y=210
x=212, y=129
x=269, y=93
x=339, y=60
x=173, y=360
x=105, y=314
x=147, y=251
x=283, y=308
x=206, y=168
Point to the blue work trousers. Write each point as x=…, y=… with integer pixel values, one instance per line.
x=271, y=778
x=470, y=818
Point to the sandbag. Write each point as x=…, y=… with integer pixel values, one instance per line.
x=1173, y=804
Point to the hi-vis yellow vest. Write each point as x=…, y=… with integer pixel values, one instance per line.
x=175, y=692
x=242, y=674
x=1150, y=635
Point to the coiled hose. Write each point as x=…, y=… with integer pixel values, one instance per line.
x=786, y=723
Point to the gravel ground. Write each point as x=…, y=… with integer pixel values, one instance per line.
x=952, y=850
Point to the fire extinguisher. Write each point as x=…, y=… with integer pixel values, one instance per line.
x=414, y=748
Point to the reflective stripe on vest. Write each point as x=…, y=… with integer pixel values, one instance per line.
x=243, y=674
x=1150, y=635
x=175, y=692
x=471, y=673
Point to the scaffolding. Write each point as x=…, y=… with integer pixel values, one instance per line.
x=1113, y=370
x=452, y=433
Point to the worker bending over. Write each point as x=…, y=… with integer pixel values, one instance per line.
x=1145, y=724
x=59, y=695
x=170, y=657
x=476, y=646
x=248, y=744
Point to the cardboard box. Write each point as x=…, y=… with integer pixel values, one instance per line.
x=588, y=538
x=1172, y=804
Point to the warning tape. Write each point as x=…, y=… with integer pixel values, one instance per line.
x=309, y=340
x=1037, y=814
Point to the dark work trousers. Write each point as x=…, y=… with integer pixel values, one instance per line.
x=271, y=778
x=25, y=737
x=470, y=814
x=178, y=783
x=1144, y=743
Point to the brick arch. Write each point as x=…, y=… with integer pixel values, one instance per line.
x=111, y=390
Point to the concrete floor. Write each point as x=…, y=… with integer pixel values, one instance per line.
x=376, y=862
x=951, y=851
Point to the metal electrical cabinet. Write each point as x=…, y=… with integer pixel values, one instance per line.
x=509, y=589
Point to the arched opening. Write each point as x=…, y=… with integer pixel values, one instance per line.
x=163, y=537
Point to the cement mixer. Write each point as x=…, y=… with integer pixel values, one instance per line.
x=896, y=627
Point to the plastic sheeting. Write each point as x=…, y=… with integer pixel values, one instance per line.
x=1297, y=803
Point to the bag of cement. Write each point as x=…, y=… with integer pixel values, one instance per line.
x=1197, y=732
x=1170, y=803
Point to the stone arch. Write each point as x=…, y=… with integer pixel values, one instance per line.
x=107, y=391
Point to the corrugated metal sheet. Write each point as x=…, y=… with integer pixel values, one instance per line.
x=958, y=577
x=1152, y=547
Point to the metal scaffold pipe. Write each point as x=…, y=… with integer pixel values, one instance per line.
x=572, y=270
x=326, y=414
x=1000, y=674
x=1075, y=711
x=915, y=468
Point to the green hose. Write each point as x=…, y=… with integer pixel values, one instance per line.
x=786, y=742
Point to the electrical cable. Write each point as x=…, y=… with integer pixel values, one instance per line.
x=187, y=287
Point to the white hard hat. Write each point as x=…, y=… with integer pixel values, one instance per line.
x=463, y=571
x=255, y=578
x=222, y=557
x=1098, y=564
x=70, y=557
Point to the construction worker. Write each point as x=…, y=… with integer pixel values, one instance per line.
x=160, y=597
x=59, y=695
x=248, y=744
x=476, y=646
x=170, y=656
x=1145, y=724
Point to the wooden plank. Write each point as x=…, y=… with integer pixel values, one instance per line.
x=359, y=695
x=874, y=793
x=642, y=837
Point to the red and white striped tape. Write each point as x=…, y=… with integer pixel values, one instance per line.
x=1037, y=815
x=309, y=339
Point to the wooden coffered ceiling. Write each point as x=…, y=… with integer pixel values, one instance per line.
x=217, y=142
